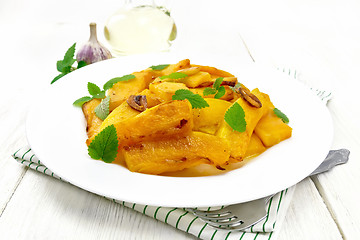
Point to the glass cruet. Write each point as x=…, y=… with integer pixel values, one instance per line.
x=140, y=26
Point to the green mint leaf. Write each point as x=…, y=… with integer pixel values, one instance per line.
x=102, y=110
x=217, y=89
x=175, y=75
x=70, y=64
x=95, y=92
x=64, y=66
x=112, y=81
x=235, y=117
x=220, y=92
x=58, y=77
x=105, y=145
x=69, y=56
x=281, y=115
x=159, y=67
x=61, y=67
x=81, y=64
x=209, y=91
x=79, y=102
x=217, y=83
x=100, y=95
x=237, y=85
x=93, y=88
x=195, y=100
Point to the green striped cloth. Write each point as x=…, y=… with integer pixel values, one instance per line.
x=324, y=95
x=183, y=220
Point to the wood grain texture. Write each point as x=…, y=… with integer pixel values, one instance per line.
x=331, y=61
x=308, y=216
x=278, y=33
x=12, y=136
x=339, y=187
x=46, y=208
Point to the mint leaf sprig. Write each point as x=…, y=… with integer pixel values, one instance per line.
x=94, y=91
x=216, y=89
x=159, y=67
x=64, y=66
x=195, y=100
x=105, y=145
x=174, y=76
x=281, y=115
x=235, y=117
x=109, y=84
x=103, y=109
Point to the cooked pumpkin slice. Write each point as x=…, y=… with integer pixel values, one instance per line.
x=255, y=147
x=166, y=120
x=165, y=90
x=121, y=91
x=93, y=123
x=197, y=79
x=119, y=114
x=175, y=67
x=208, y=119
x=272, y=130
x=175, y=154
x=213, y=71
x=239, y=141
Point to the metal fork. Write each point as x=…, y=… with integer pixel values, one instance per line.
x=244, y=215
x=237, y=216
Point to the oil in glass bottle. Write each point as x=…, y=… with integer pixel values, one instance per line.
x=140, y=27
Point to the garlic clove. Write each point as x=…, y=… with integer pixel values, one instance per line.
x=93, y=51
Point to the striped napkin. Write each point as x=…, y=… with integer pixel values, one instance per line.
x=324, y=95
x=184, y=220
x=180, y=218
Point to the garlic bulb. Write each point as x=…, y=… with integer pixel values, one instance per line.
x=93, y=50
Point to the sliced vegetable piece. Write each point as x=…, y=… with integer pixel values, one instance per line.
x=93, y=123
x=121, y=91
x=175, y=154
x=166, y=120
x=208, y=119
x=255, y=147
x=239, y=141
x=165, y=90
x=272, y=130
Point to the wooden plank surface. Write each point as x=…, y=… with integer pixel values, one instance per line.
x=325, y=51
x=306, y=213
x=326, y=65
x=45, y=208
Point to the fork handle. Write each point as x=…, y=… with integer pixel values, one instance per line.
x=333, y=158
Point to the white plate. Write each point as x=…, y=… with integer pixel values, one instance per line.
x=56, y=133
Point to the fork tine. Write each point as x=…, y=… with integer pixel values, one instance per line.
x=230, y=221
x=220, y=212
x=234, y=217
x=215, y=218
x=233, y=224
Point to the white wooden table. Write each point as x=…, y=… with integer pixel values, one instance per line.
x=320, y=39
